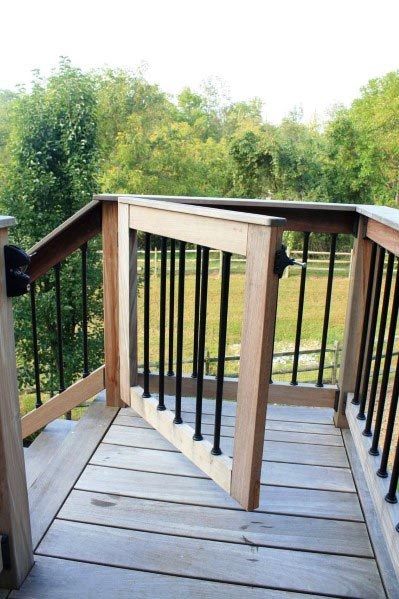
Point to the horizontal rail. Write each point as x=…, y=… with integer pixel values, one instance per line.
x=218, y=467
x=58, y=405
x=317, y=217
x=65, y=239
x=208, y=227
x=384, y=235
x=303, y=394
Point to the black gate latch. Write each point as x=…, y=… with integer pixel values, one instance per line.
x=16, y=261
x=282, y=260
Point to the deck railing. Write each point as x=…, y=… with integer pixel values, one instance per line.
x=252, y=229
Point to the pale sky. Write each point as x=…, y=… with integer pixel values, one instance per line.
x=289, y=53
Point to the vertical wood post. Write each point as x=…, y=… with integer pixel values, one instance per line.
x=127, y=273
x=14, y=507
x=260, y=303
x=111, y=312
x=360, y=264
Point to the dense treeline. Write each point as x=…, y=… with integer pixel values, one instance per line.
x=78, y=133
x=114, y=131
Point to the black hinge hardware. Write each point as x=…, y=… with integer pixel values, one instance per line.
x=5, y=552
x=16, y=262
x=282, y=260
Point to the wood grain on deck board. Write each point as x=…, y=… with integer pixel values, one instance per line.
x=202, y=491
x=63, y=579
x=292, y=532
x=228, y=431
x=273, y=451
x=274, y=412
x=273, y=473
x=251, y=565
x=128, y=417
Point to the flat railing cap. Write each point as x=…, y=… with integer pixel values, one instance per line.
x=6, y=221
x=217, y=213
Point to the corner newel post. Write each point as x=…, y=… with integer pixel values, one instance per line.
x=257, y=340
x=353, y=321
x=127, y=277
x=14, y=507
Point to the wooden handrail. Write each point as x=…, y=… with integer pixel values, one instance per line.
x=65, y=239
x=318, y=217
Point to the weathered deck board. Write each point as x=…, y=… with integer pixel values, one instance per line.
x=320, y=418
x=274, y=412
x=51, y=489
x=53, y=578
x=143, y=521
x=273, y=473
x=197, y=558
x=202, y=491
x=289, y=436
x=269, y=530
x=279, y=451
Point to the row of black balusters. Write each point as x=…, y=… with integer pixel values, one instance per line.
x=200, y=314
x=60, y=351
x=365, y=395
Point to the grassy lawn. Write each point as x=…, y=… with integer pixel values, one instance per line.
x=286, y=321
x=285, y=330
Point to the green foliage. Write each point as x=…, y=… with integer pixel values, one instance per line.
x=112, y=131
x=51, y=173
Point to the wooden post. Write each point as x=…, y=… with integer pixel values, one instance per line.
x=111, y=316
x=260, y=301
x=14, y=507
x=353, y=321
x=127, y=274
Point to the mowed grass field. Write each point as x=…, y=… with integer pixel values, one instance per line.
x=285, y=330
x=286, y=316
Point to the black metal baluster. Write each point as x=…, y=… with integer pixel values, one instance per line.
x=162, y=318
x=387, y=366
x=171, y=305
x=201, y=343
x=224, y=305
x=147, y=282
x=327, y=309
x=35, y=345
x=84, y=311
x=179, y=335
x=382, y=471
x=363, y=340
x=380, y=346
x=305, y=250
x=57, y=269
x=196, y=310
x=370, y=342
x=393, y=483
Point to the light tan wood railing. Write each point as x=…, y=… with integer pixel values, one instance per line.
x=255, y=237
x=14, y=508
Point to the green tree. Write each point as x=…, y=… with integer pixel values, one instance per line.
x=51, y=174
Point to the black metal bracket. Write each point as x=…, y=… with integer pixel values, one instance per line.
x=16, y=262
x=5, y=552
x=282, y=260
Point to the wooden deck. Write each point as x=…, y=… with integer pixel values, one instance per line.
x=139, y=520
